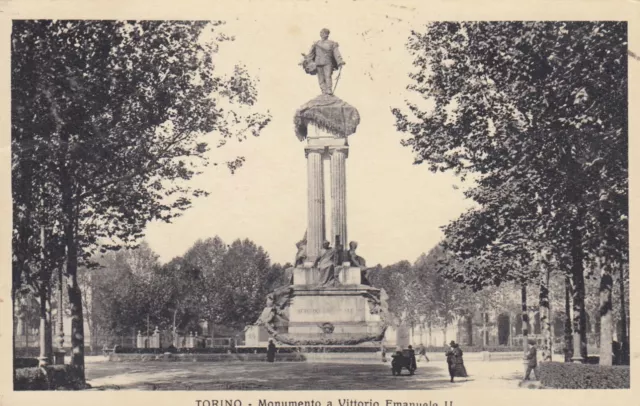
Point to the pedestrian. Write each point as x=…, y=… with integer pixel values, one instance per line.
x=450, y=360
x=383, y=350
x=422, y=352
x=460, y=370
x=532, y=360
x=412, y=359
x=271, y=351
x=455, y=361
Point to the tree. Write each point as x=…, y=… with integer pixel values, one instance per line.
x=393, y=279
x=121, y=291
x=440, y=299
x=536, y=112
x=207, y=256
x=114, y=112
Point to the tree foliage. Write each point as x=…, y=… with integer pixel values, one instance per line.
x=212, y=282
x=108, y=124
x=536, y=112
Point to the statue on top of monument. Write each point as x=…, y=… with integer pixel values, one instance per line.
x=323, y=58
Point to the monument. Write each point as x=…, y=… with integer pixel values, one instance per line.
x=328, y=301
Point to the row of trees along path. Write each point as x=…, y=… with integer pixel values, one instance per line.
x=535, y=114
x=108, y=123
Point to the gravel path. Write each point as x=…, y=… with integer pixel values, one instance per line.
x=157, y=375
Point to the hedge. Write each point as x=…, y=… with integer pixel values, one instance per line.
x=52, y=377
x=25, y=363
x=560, y=375
x=302, y=349
x=27, y=352
x=495, y=348
x=204, y=357
x=246, y=350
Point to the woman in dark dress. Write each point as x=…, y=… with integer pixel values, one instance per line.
x=271, y=351
x=455, y=362
x=460, y=370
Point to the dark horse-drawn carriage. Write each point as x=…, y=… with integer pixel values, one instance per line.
x=403, y=359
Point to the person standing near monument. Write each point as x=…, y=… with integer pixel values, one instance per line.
x=271, y=351
x=323, y=58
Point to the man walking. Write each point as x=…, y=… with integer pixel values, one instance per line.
x=532, y=360
x=422, y=352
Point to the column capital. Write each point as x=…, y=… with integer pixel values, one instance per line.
x=342, y=148
x=318, y=149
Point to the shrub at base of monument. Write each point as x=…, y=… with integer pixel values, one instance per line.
x=560, y=375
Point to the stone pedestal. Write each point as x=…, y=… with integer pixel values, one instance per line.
x=336, y=312
x=341, y=313
x=58, y=357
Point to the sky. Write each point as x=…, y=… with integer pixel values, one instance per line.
x=394, y=209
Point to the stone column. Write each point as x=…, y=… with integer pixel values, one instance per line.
x=338, y=195
x=315, y=210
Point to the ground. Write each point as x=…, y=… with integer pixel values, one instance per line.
x=157, y=375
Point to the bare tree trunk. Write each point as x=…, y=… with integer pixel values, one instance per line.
x=511, y=326
x=444, y=334
x=568, y=330
x=15, y=327
x=43, y=296
x=48, y=330
x=624, y=333
x=73, y=289
x=44, y=357
x=175, y=331
x=26, y=333
x=525, y=318
x=545, y=314
x=579, y=313
x=606, y=316
x=484, y=329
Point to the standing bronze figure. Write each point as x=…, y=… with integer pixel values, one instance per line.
x=323, y=58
